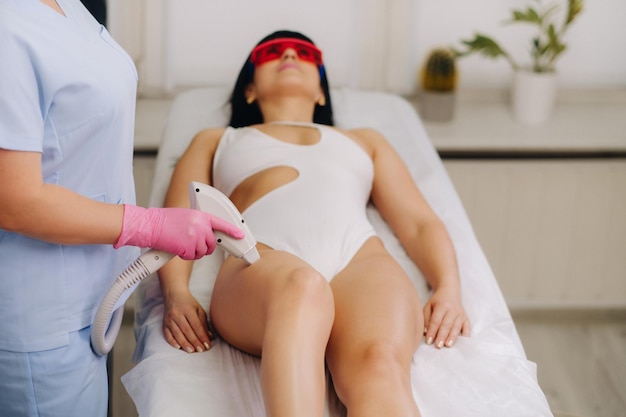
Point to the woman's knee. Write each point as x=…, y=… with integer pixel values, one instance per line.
x=303, y=288
x=377, y=360
x=376, y=364
x=382, y=357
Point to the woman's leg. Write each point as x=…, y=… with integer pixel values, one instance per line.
x=282, y=310
x=378, y=326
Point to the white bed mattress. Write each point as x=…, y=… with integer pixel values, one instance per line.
x=484, y=375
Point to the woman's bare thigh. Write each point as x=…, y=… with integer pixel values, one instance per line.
x=374, y=300
x=242, y=294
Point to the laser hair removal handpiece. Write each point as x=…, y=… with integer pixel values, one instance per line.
x=108, y=319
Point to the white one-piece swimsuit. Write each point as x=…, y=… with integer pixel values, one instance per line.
x=321, y=215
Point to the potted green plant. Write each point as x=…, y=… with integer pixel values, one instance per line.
x=438, y=79
x=534, y=86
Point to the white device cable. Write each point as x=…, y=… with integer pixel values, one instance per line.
x=107, y=323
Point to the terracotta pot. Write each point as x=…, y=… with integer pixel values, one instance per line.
x=533, y=96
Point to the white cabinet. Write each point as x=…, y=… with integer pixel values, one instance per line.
x=554, y=231
x=548, y=204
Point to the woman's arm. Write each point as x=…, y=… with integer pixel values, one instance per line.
x=184, y=319
x=424, y=237
x=49, y=212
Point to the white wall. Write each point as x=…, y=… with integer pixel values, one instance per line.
x=178, y=44
x=595, y=59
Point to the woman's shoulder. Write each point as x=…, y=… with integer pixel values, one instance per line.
x=365, y=132
x=365, y=136
x=207, y=138
x=211, y=134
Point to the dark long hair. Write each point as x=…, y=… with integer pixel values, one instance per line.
x=244, y=114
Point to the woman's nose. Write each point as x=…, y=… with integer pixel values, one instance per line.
x=289, y=53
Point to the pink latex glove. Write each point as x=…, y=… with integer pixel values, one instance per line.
x=184, y=232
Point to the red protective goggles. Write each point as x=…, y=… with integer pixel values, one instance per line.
x=274, y=49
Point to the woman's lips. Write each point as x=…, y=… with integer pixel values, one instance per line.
x=287, y=66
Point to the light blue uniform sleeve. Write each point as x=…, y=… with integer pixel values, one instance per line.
x=21, y=122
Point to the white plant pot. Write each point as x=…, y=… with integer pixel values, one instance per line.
x=533, y=96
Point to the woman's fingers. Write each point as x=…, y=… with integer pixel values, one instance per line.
x=436, y=315
x=185, y=338
x=466, y=330
x=444, y=327
x=198, y=328
x=188, y=332
x=176, y=337
x=169, y=337
x=427, y=314
x=452, y=335
x=440, y=326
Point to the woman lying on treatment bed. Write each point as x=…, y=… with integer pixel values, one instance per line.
x=325, y=291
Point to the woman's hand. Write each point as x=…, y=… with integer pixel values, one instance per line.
x=185, y=323
x=445, y=318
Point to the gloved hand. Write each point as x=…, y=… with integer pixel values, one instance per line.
x=184, y=232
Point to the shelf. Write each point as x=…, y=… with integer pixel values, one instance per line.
x=488, y=129
x=480, y=129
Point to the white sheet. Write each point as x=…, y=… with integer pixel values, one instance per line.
x=485, y=375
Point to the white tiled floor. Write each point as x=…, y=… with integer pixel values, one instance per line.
x=581, y=356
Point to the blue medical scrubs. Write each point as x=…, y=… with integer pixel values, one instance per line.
x=67, y=91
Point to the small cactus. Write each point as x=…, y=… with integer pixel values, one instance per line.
x=439, y=71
